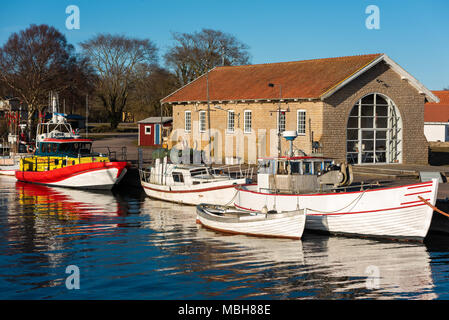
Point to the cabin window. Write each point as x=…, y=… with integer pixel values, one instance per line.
x=147, y=129
x=65, y=147
x=54, y=147
x=178, y=177
x=307, y=167
x=247, y=121
x=301, y=122
x=317, y=167
x=198, y=172
x=85, y=148
x=188, y=121
x=295, y=166
x=202, y=116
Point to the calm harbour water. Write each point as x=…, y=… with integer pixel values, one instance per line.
x=128, y=246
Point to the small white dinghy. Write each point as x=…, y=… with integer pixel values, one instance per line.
x=288, y=224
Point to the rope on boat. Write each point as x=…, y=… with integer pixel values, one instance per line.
x=433, y=207
x=336, y=211
x=233, y=198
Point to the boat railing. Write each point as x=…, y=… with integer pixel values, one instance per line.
x=214, y=173
x=114, y=153
x=351, y=188
x=47, y=163
x=234, y=171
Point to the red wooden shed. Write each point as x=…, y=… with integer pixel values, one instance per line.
x=149, y=130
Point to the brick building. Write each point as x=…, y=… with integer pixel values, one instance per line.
x=363, y=109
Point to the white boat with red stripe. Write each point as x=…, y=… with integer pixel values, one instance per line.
x=192, y=184
x=341, y=207
x=271, y=224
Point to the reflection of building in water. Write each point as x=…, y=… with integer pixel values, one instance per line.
x=350, y=266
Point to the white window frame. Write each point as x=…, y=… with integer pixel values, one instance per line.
x=146, y=130
x=202, y=121
x=301, y=126
x=279, y=120
x=245, y=125
x=230, y=129
x=188, y=124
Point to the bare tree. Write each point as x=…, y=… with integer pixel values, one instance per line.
x=194, y=54
x=37, y=60
x=153, y=84
x=116, y=59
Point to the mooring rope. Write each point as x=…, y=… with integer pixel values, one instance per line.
x=433, y=207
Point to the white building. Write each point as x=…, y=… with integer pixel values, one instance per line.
x=436, y=118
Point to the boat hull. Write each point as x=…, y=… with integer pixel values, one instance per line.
x=395, y=213
x=8, y=171
x=218, y=193
x=278, y=225
x=96, y=175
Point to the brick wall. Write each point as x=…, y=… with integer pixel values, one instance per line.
x=264, y=119
x=406, y=98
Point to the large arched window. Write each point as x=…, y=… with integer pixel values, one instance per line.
x=374, y=131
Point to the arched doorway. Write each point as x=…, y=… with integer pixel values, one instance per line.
x=374, y=131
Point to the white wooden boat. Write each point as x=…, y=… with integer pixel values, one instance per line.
x=9, y=166
x=388, y=212
x=188, y=184
x=263, y=223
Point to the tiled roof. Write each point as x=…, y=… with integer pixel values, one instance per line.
x=438, y=112
x=299, y=79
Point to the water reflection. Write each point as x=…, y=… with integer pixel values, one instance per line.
x=129, y=246
x=317, y=267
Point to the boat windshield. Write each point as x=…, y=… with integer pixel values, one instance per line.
x=294, y=166
x=65, y=149
x=199, y=172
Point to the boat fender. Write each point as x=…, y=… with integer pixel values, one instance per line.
x=272, y=212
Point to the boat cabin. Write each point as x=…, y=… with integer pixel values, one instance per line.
x=291, y=174
x=176, y=175
x=294, y=165
x=58, y=153
x=64, y=147
x=170, y=174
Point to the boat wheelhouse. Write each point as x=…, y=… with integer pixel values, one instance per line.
x=192, y=184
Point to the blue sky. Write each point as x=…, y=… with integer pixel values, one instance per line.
x=415, y=34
